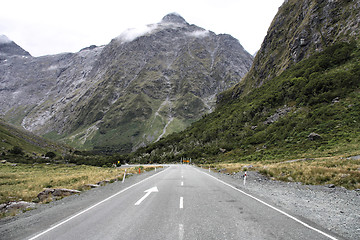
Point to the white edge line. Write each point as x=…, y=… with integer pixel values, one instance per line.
x=93, y=206
x=270, y=206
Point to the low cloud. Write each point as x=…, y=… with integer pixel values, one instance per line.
x=4, y=39
x=199, y=33
x=133, y=33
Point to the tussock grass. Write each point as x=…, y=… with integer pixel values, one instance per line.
x=337, y=170
x=25, y=181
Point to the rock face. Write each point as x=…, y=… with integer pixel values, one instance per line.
x=9, y=48
x=49, y=194
x=16, y=206
x=145, y=84
x=300, y=29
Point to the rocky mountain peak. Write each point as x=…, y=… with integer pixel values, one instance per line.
x=10, y=48
x=4, y=39
x=146, y=83
x=174, y=18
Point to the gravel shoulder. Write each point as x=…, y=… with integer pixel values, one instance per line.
x=336, y=209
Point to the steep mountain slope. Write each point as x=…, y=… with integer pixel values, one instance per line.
x=10, y=48
x=143, y=85
x=306, y=107
x=300, y=29
x=27, y=83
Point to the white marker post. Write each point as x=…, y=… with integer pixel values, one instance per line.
x=124, y=176
x=209, y=168
x=245, y=178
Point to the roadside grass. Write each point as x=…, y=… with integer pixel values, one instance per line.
x=337, y=170
x=26, y=181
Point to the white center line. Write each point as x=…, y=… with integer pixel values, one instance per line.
x=182, y=183
x=181, y=231
x=181, y=202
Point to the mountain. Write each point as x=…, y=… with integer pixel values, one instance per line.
x=300, y=98
x=299, y=29
x=9, y=48
x=145, y=84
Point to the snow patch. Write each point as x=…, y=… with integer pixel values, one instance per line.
x=53, y=67
x=16, y=93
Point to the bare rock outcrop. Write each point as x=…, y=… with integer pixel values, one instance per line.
x=50, y=194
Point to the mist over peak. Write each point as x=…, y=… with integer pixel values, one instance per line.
x=4, y=39
x=9, y=48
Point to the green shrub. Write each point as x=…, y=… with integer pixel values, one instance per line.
x=17, y=150
x=50, y=155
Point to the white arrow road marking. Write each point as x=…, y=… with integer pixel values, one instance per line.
x=148, y=192
x=95, y=205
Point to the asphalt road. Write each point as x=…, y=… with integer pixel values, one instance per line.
x=182, y=202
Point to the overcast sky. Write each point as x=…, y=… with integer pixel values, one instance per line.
x=44, y=27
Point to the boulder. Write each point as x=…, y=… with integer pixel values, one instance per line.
x=102, y=183
x=222, y=150
x=63, y=192
x=48, y=194
x=92, y=185
x=357, y=157
x=14, y=206
x=45, y=195
x=314, y=136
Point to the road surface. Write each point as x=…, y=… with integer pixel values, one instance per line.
x=181, y=202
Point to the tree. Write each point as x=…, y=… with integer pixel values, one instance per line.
x=50, y=155
x=17, y=150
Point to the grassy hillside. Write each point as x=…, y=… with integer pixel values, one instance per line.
x=20, y=145
x=299, y=29
x=312, y=109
